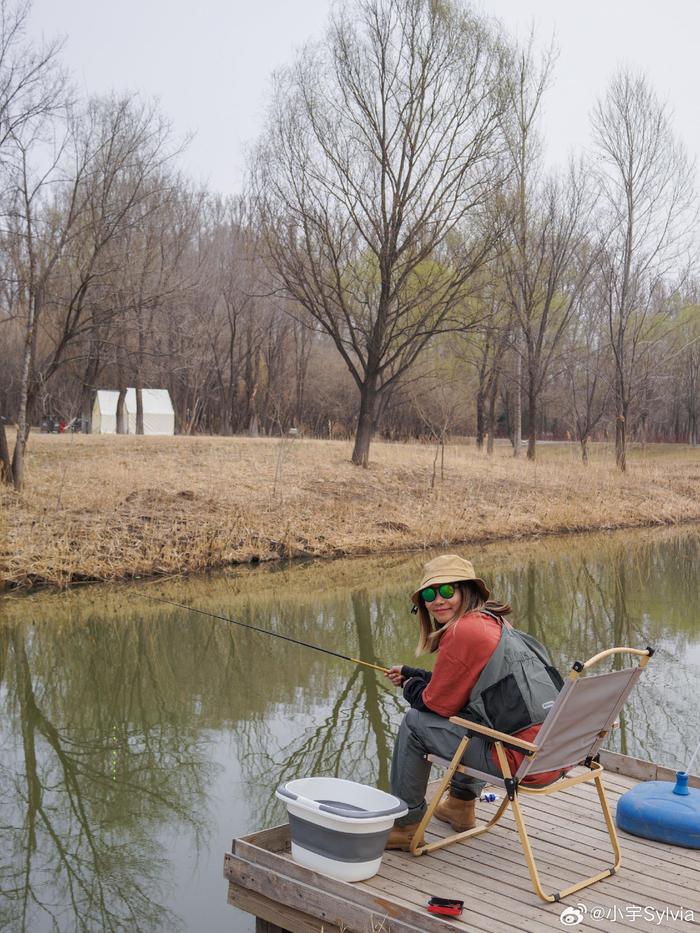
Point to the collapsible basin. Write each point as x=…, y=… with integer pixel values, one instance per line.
x=339, y=827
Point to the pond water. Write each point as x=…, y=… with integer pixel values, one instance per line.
x=137, y=739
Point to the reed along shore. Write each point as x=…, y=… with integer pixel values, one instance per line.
x=98, y=508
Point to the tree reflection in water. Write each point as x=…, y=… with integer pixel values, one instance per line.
x=94, y=757
x=354, y=739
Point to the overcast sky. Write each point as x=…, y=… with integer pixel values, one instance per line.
x=209, y=62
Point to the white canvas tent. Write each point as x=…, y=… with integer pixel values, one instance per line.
x=158, y=412
x=104, y=412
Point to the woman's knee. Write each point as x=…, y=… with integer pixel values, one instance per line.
x=411, y=719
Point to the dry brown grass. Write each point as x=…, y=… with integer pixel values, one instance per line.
x=107, y=508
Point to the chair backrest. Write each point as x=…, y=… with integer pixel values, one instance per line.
x=579, y=720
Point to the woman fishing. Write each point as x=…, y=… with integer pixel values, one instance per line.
x=485, y=671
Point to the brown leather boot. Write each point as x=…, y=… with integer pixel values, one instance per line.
x=460, y=814
x=401, y=837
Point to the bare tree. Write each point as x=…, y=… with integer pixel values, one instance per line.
x=155, y=274
x=681, y=374
x=62, y=221
x=647, y=184
x=587, y=367
x=485, y=344
x=31, y=90
x=32, y=84
x=383, y=141
x=129, y=145
x=528, y=81
x=222, y=304
x=548, y=257
x=303, y=334
x=546, y=289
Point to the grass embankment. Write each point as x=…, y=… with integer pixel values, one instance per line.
x=109, y=508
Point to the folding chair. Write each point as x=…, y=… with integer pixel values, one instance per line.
x=571, y=735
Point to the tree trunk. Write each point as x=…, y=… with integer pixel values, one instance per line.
x=253, y=426
x=226, y=419
x=5, y=463
x=89, y=386
x=492, y=417
x=302, y=363
x=643, y=429
x=532, y=425
x=518, y=411
x=86, y=403
x=18, y=459
x=585, y=453
x=122, y=426
x=365, y=423
x=435, y=460
x=139, y=405
x=480, y=419
x=23, y=417
x=620, y=443
x=138, y=379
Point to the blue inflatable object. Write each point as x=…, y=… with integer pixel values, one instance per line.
x=662, y=811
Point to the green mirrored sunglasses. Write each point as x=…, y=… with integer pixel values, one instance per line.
x=430, y=593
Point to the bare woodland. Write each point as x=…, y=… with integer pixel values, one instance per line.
x=402, y=262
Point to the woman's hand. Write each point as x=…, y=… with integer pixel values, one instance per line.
x=394, y=674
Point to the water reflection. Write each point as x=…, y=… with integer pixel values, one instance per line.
x=352, y=736
x=97, y=750
x=138, y=738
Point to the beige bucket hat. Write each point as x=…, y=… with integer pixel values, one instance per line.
x=449, y=568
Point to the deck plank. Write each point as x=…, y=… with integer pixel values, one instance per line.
x=278, y=915
x=490, y=874
x=496, y=857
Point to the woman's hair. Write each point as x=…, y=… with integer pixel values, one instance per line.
x=431, y=633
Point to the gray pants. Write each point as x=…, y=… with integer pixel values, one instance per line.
x=423, y=733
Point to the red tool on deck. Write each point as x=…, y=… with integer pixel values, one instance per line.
x=445, y=906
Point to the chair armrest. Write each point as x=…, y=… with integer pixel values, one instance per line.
x=643, y=653
x=493, y=734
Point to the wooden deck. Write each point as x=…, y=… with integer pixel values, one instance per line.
x=488, y=873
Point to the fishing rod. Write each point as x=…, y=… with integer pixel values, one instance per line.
x=263, y=631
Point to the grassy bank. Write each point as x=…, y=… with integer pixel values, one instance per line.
x=108, y=508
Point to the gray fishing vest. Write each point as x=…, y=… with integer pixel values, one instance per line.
x=518, y=685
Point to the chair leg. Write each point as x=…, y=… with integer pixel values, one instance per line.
x=609, y=822
x=519, y=822
x=527, y=851
x=461, y=837
x=530, y=859
x=415, y=849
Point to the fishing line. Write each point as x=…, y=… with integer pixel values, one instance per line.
x=262, y=631
x=690, y=763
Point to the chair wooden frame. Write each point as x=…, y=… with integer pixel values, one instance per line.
x=514, y=789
